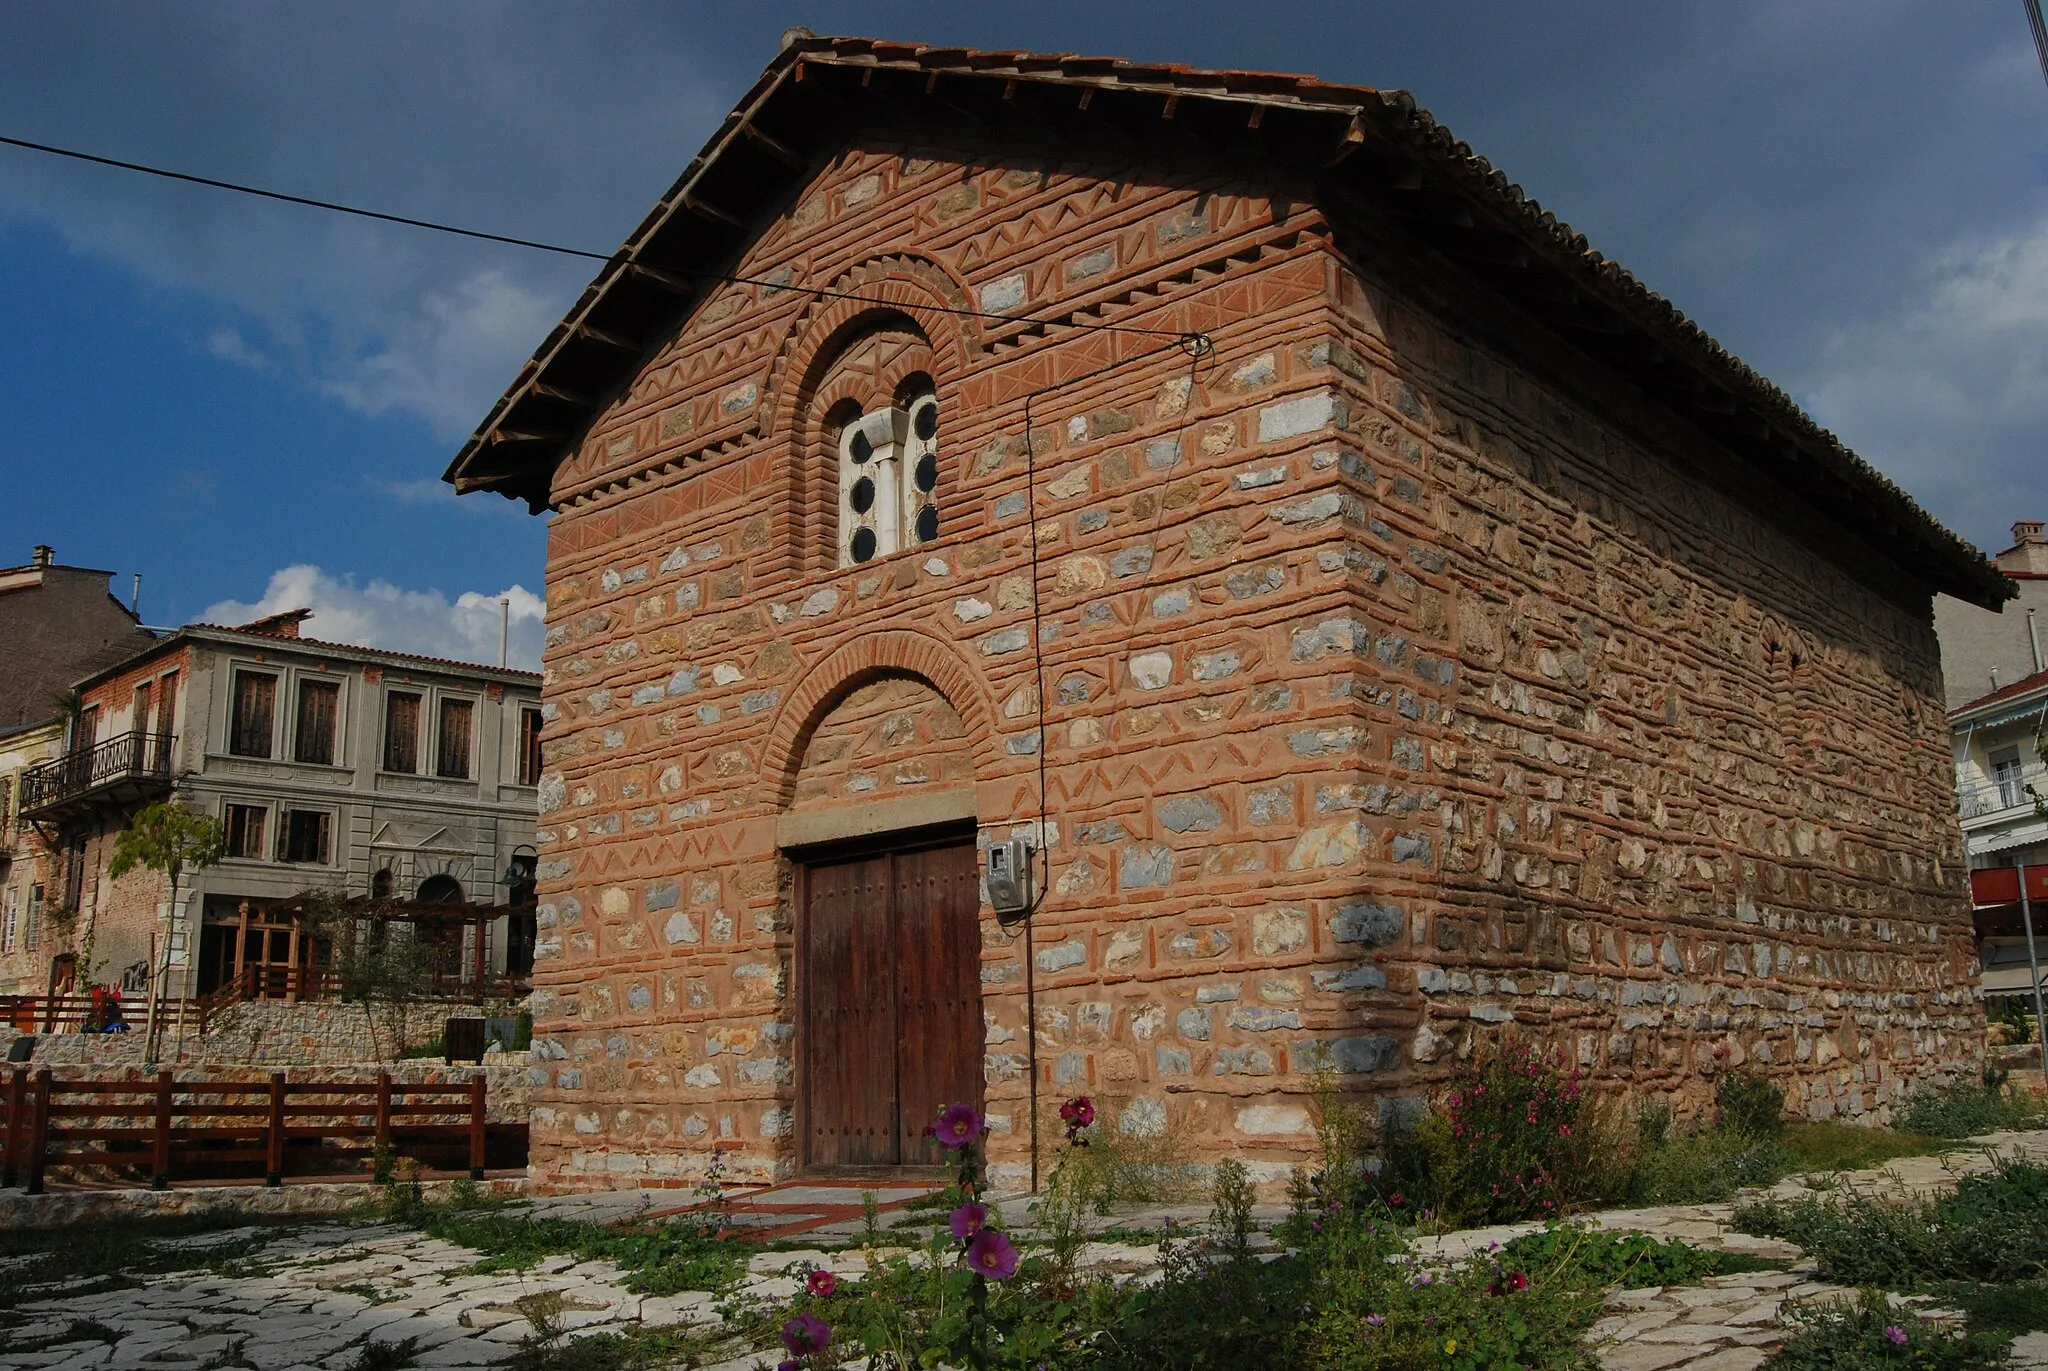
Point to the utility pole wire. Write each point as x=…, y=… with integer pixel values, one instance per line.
x=2040, y=28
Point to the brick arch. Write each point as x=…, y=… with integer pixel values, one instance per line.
x=912, y=286
x=866, y=658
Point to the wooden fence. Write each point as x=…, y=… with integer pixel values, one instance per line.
x=71, y=1013
x=159, y=1129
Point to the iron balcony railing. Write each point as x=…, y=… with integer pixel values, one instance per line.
x=126, y=760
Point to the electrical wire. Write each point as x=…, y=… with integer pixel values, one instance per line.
x=2040, y=30
x=435, y=226
x=1197, y=346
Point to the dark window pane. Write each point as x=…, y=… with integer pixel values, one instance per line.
x=319, y=701
x=863, y=544
x=245, y=830
x=255, y=703
x=928, y=523
x=305, y=835
x=529, y=747
x=402, y=732
x=452, y=758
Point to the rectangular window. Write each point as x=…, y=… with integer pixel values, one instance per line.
x=319, y=703
x=33, y=933
x=451, y=759
x=529, y=747
x=166, y=702
x=305, y=835
x=10, y=921
x=402, y=732
x=74, y=875
x=2006, y=774
x=245, y=825
x=6, y=806
x=255, y=705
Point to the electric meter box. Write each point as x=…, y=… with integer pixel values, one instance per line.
x=1009, y=876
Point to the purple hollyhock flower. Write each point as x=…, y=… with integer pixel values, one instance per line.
x=969, y=1219
x=991, y=1255
x=788, y=1364
x=959, y=1125
x=806, y=1333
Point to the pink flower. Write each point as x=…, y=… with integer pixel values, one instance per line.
x=806, y=1333
x=991, y=1255
x=1374, y=1319
x=822, y=1283
x=969, y=1219
x=959, y=1125
x=1895, y=1335
x=1517, y=1281
x=1078, y=1112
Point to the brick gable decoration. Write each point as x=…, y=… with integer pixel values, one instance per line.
x=1418, y=657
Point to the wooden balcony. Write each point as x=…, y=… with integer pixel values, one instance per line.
x=126, y=770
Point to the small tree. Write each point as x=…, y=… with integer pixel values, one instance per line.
x=375, y=964
x=172, y=839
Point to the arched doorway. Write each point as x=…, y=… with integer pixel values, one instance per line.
x=889, y=937
x=442, y=889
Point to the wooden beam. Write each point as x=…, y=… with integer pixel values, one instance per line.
x=567, y=397
x=611, y=340
x=512, y=435
x=774, y=146
x=711, y=212
x=667, y=280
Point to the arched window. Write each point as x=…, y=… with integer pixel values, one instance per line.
x=440, y=890
x=888, y=473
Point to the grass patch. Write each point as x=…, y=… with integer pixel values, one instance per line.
x=113, y=1254
x=1968, y=1110
x=2008, y=1310
x=1870, y=1335
x=657, y=1259
x=378, y=1355
x=1845, y=1147
x=1604, y=1258
x=1994, y=1227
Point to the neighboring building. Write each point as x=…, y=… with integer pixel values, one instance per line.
x=1998, y=775
x=1457, y=640
x=57, y=623
x=331, y=767
x=1985, y=651
x=28, y=870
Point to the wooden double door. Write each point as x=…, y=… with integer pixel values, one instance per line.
x=891, y=982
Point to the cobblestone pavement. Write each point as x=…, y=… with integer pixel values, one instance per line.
x=319, y=1295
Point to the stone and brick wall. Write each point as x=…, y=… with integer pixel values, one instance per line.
x=1401, y=680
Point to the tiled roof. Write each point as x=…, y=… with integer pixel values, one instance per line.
x=2024, y=686
x=1351, y=138
x=314, y=645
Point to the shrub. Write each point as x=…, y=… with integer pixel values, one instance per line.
x=1966, y=1110
x=1599, y=1257
x=1994, y=1227
x=1751, y=1106
x=1516, y=1137
x=1870, y=1335
x=1703, y=1165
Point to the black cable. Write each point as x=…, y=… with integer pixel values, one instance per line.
x=708, y=276
x=2040, y=29
x=1197, y=345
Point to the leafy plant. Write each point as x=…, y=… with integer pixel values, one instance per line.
x=1750, y=1105
x=1993, y=1227
x=1516, y=1137
x=1871, y=1335
x=165, y=837
x=1966, y=1110
x=1605, y=1258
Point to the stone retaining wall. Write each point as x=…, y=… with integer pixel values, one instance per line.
x=258, y=1033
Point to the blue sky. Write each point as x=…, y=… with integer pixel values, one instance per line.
x=251, y=403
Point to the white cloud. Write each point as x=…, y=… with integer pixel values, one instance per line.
x=228, y=344
x=387, y=616
x=1947, y=390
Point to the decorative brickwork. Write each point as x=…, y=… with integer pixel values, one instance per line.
x=1404, y=675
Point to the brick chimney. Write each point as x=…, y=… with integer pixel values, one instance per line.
x=2029, y=550
x=285, y=625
